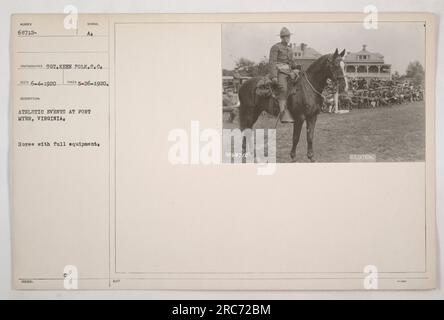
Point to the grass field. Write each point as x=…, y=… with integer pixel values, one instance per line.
x=389, y=133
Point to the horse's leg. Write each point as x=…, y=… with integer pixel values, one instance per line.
x=297, y=127
x=311, y=122
x=249, y=116
x=248, y=122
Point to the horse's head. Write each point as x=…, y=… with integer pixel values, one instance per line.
x=336, y=67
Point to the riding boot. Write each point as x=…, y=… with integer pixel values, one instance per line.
x=284, y=113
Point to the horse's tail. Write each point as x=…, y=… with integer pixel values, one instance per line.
x=244, y=101
x=247, y=102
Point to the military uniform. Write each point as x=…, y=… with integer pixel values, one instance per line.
x=281, y=61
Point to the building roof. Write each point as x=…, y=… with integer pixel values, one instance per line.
x=305, y=52
x=371, y=57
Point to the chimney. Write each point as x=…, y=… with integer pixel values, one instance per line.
x=364, y=47
x=303, y=47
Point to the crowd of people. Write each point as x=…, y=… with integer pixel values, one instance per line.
x=362, y=93
x=373, y=93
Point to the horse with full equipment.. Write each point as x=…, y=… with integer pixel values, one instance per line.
x=304, y=101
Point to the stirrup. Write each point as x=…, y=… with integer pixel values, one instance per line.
x=286, y=117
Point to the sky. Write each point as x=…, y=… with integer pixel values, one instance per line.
x=399, y=42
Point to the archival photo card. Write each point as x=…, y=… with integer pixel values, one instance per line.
x=271, y=151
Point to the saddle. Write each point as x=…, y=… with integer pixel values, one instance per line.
x=264, y=87
x=267, y=88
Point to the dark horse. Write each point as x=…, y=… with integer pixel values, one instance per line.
x=304, y=100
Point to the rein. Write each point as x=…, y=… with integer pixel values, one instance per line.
x=311, y=86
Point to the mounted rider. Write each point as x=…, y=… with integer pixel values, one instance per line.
x=281, y=65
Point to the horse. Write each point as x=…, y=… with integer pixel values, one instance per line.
x=304, y=101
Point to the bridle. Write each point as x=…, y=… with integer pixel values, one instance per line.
x=304, y=74
x=335, y=76
x=336, y=79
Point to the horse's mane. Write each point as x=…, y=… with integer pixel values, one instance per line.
x=318, y=63
x=315, y=69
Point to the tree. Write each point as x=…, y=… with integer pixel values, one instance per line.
x=416, y=72
x=244, y=63
x=253, y=69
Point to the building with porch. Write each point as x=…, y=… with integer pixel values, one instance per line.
x=366, y=64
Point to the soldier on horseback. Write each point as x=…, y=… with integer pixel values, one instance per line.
x=281, y=64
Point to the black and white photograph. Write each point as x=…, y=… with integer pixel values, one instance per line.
x=334, y=92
